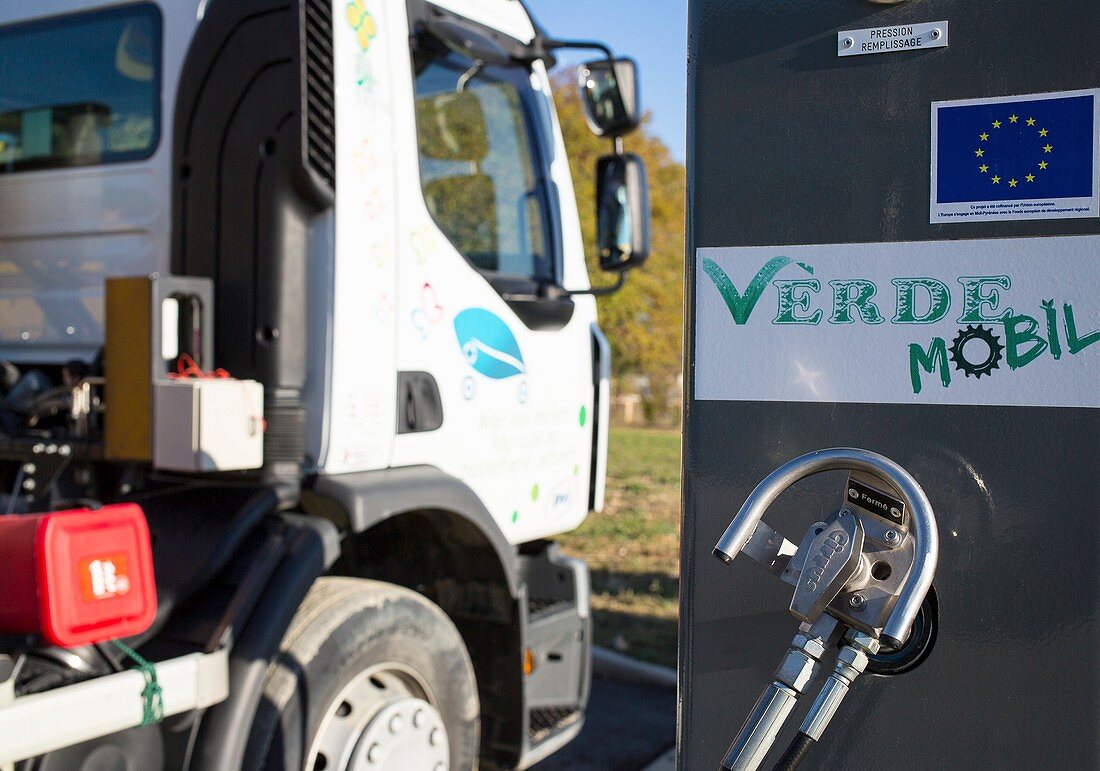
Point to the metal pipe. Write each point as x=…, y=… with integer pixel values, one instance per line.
x=757, y=735
x=824, y=707
x=795, y=672
x=924, y=531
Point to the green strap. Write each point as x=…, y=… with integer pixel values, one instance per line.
x=152, y=697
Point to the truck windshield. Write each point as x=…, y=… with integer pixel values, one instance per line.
x=480, y=162
x=80, y=89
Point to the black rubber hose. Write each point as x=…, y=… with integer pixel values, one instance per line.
x=796, y=751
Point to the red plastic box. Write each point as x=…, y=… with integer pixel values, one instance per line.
x=77, y=577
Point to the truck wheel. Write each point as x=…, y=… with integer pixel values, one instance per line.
x=370, y=676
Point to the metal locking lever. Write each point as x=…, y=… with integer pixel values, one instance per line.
x=829, y=558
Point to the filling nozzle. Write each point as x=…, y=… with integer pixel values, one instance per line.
x=924, y=531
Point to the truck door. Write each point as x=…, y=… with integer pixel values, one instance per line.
x=496, y=361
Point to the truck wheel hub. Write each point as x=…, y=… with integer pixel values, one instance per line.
x=379, y=723
x=406, y=734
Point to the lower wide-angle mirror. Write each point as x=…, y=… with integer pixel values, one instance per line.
x=622, y=212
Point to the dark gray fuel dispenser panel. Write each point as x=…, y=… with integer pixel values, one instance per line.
x=857, y=278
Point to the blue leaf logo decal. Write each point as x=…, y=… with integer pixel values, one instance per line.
x=488, y=344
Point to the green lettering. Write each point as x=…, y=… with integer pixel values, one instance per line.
x=1014, y=338
x=974, y=297
x=935, y=357
x=939, y=300
x=844, y=301
x=1073, y=342
x=740, y=306
x=1052, y=329
x=794, y=294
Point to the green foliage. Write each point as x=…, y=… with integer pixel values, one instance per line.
x=632, y=547
x=644, y=321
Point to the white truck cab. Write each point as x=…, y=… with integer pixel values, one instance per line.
x=305, y=282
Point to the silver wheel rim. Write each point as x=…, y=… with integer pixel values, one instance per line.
x=382, y=720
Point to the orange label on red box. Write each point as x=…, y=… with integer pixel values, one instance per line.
x=105, y=576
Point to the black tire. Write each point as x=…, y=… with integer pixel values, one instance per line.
x=343, y=628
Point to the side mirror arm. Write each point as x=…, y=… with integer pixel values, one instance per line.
x=593, y=45
x=601, y=291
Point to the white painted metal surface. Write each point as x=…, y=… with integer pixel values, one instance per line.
x=64, y=230
x=208, y=424
x=32, y=725
x=522, y=442
x=506, y=15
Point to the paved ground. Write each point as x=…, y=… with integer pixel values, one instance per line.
x=628, y=726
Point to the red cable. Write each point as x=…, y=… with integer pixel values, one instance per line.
x=186, y=367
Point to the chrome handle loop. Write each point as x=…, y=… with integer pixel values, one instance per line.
x=923, y=528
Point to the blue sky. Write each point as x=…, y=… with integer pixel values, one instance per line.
x=653, y=32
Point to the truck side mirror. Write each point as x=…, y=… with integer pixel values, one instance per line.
x=622, y=212
x=611, y=97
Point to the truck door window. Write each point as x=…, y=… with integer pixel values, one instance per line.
x=480, y=163
x=80, y=89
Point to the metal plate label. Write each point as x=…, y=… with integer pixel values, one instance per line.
x=875, y=501
x=887, y=40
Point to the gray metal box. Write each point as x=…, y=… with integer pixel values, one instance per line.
x=791, y=144
x=208, y=424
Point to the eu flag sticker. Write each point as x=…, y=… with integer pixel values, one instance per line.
x=1016, y=157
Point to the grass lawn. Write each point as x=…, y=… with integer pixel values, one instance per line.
x=632, y=546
